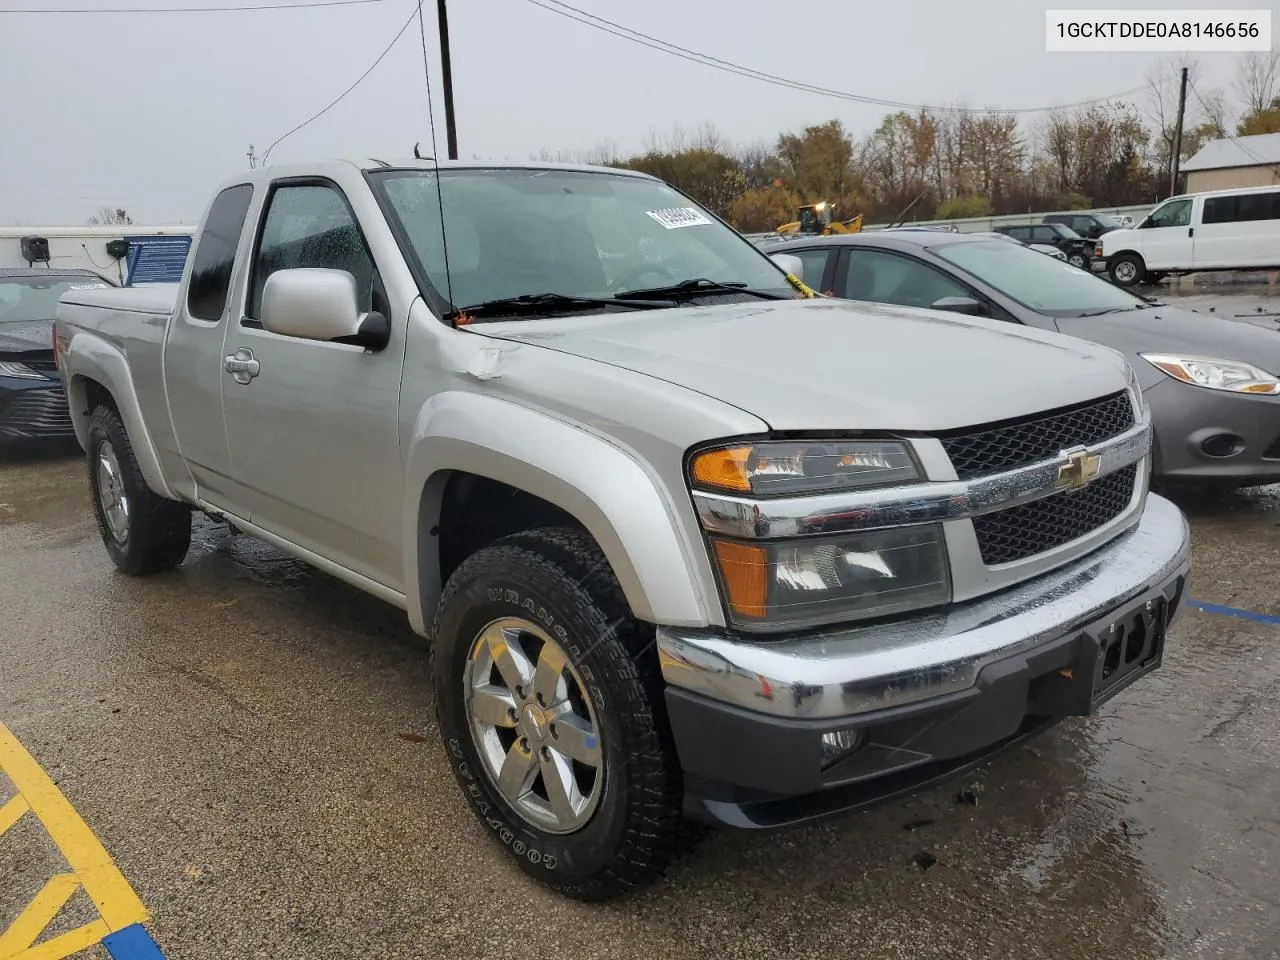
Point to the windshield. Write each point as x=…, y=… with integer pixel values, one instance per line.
x=524, y=232
x=1108, y=221
x=1043, y=284
x=23, y=299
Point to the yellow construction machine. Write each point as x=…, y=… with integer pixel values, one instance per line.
x=815, y=218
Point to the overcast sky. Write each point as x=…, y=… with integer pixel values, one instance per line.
x=151, y=111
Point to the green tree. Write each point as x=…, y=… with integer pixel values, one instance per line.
x=818, y=164
x=1266, y=120
x=970, y=205
x=712, y=178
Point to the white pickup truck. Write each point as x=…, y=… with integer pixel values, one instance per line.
x=689, y=543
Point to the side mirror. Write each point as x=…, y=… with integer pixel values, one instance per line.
x=314, y=304
x=966, y=305
x=790, y=264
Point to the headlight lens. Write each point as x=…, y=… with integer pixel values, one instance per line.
x=802, y=467
x=802, y=583
x=10, y=368
x=1230, y=375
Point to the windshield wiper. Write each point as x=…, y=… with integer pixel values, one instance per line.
x=697, y=287
x=532, y=303
x=1099, y=313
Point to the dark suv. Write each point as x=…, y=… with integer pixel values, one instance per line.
x=1077, y=250
x=1088, y=225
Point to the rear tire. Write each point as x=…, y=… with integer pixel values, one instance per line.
x=538, y=662
x=1126, y=269
x=143, y=533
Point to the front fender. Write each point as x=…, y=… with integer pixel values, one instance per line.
x=89, y=358
x=611, y=493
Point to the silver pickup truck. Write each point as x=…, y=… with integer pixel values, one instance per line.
x=689, y=543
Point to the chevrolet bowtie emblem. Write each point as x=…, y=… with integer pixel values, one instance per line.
x=1080, y=468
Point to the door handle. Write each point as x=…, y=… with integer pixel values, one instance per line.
x=1191, y=231
x=242, y=365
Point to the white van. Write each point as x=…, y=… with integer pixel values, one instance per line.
x=1218, y=230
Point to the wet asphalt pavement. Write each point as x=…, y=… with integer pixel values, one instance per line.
x=253, y=743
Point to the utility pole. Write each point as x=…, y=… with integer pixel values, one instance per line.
x=1176, y=158
x=450, y=130
x=253, y=161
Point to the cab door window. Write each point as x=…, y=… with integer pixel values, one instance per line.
x=310, y=225
x=1176, y=213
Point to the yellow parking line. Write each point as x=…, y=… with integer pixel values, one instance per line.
x=12, y=812
x=118, y=905
x=73, y=941
x=39, y=913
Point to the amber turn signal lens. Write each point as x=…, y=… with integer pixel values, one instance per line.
x=744, y=570
x=725, y=469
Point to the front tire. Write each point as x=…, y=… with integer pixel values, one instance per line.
x=1126, y=269
x=143, y=533
x=1078, y=260
x=550, y=703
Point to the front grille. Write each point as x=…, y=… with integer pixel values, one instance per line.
x=36, y=414
x=1013, y=445
x=1032, y=528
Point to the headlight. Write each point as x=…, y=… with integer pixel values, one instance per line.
x=784, y=468
x=10, y=368
x=1230, y=375
x=803, y=583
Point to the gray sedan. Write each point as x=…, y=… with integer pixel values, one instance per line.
x=1211, y=383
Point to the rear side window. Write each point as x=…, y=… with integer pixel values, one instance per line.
x=1242, y=208
x=215, y=253
x=1019, y=233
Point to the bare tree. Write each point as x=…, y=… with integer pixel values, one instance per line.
x=110, y=216
x=1258, y=80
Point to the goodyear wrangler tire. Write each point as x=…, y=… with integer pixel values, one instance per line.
x=143, y=533
x=551, y=708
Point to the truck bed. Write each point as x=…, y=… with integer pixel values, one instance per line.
x=158, y=299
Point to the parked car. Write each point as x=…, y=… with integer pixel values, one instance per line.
x=685, y=538
x=1077, y=250
x=1218, y=230
x=33, y=406
x=1044, y=248
x=1088, y=225
x=1213, y=385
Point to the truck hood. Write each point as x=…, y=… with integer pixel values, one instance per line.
x=839, y=364
x=1117, y=239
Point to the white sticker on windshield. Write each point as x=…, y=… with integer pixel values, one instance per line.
x=86, y=286
x=674, y=217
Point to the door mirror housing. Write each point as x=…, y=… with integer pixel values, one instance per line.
x=966, y=305
x=317, y=304
x=790, y=264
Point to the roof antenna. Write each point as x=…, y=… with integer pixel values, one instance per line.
x=453, y=313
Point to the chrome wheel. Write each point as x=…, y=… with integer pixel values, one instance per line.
x=111, y=492
x=1076, y=261
x=533, y=725
x=1126, y=271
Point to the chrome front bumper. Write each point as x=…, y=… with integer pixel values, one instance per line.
x=851, y=671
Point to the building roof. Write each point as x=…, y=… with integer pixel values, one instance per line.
x=1256, y=151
